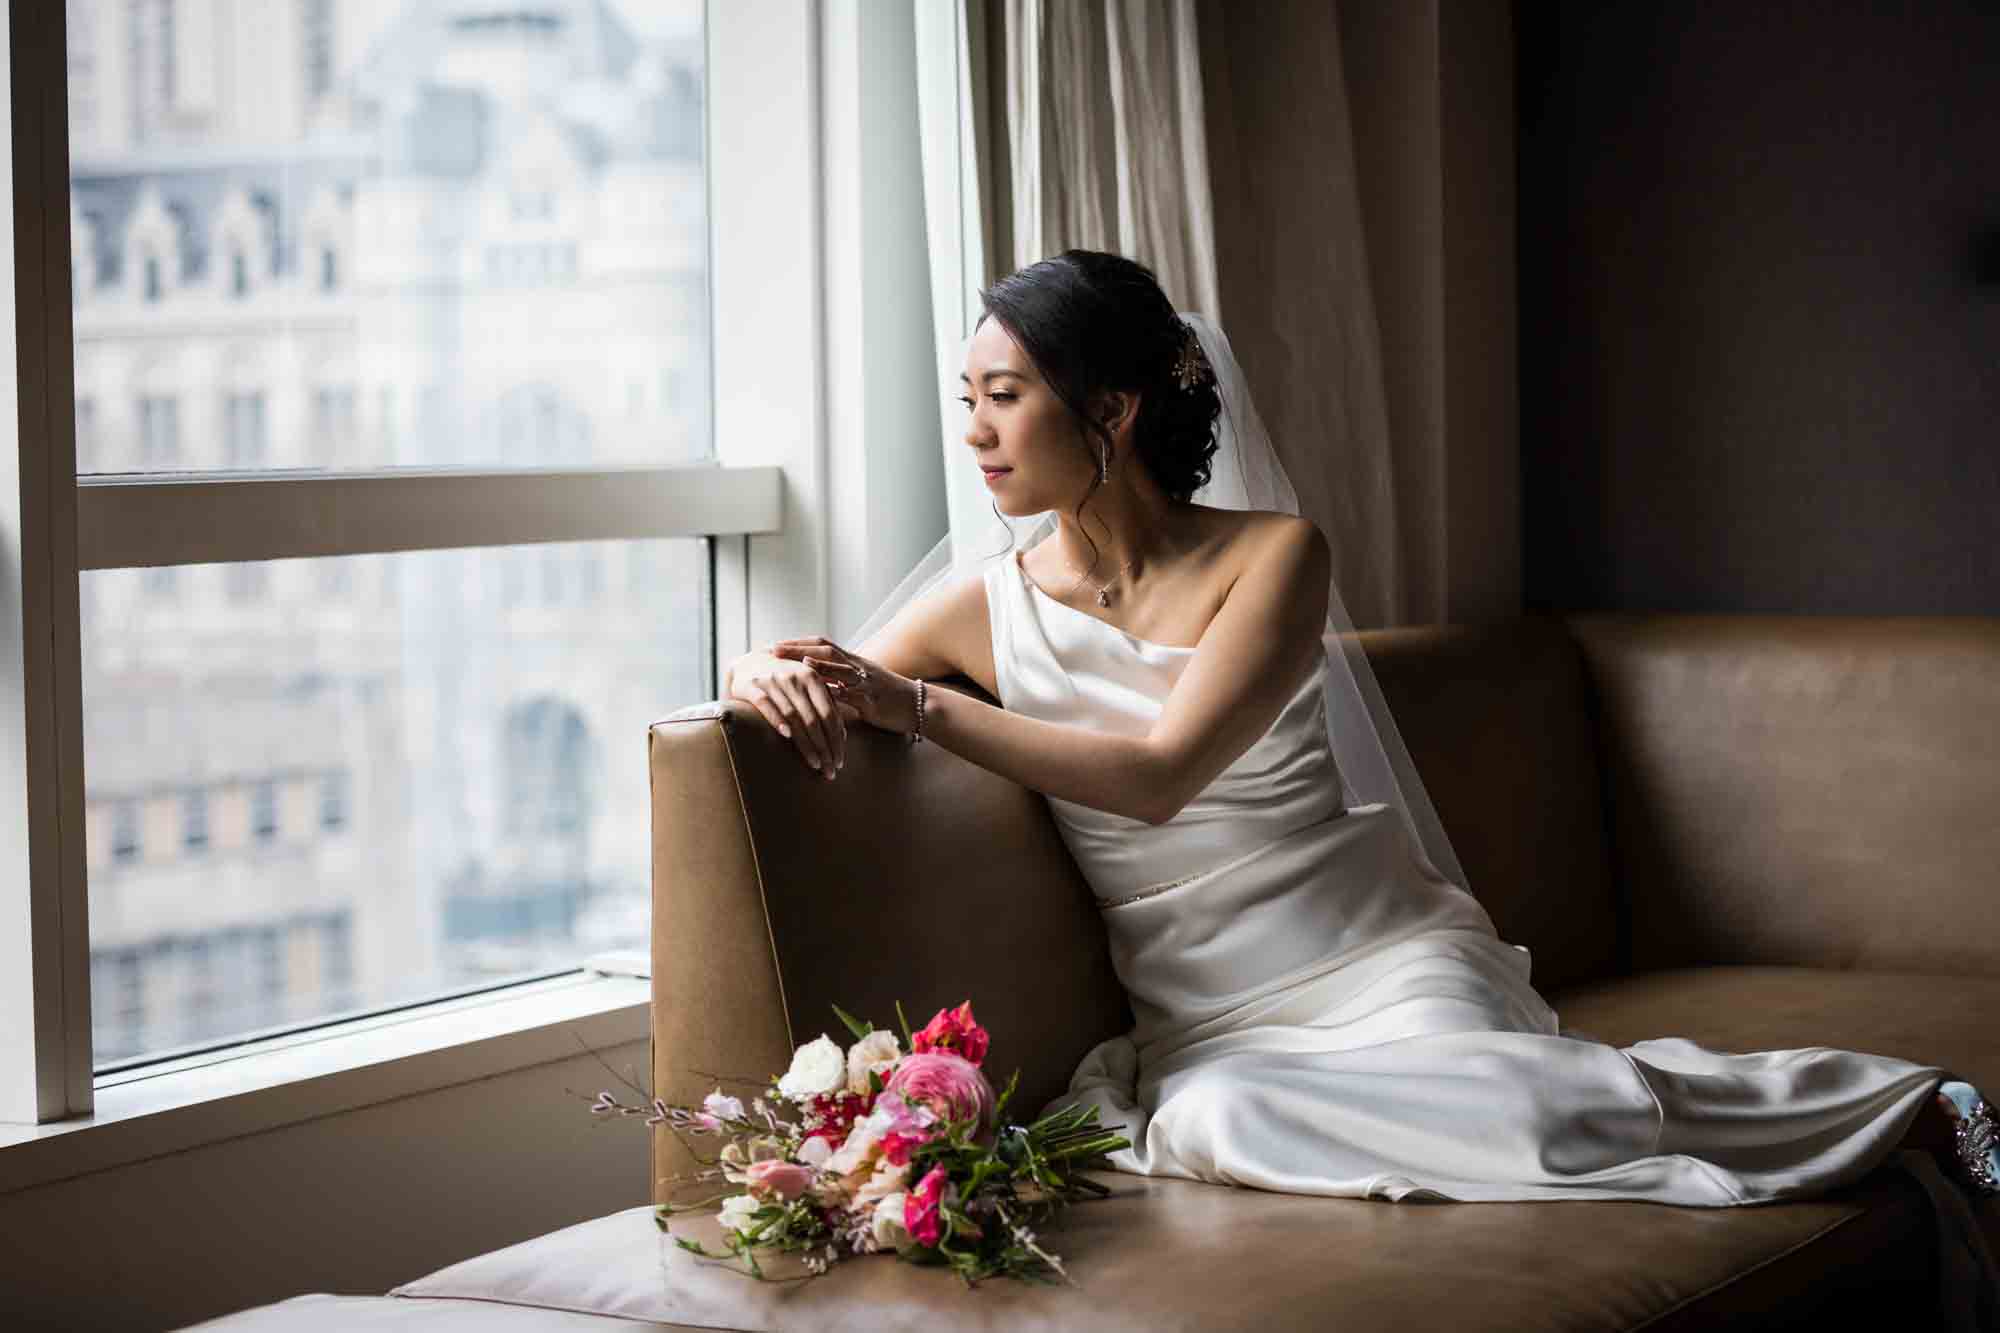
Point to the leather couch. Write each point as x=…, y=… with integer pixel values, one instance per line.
x=1754, y=832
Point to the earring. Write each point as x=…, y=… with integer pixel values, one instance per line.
x=1103, y=466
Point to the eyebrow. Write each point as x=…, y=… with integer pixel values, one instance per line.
x=987, y=377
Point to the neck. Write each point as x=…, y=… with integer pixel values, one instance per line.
x=1128, y=526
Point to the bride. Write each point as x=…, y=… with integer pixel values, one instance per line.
x=1319, y=1006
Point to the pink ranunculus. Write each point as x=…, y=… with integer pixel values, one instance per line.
x=921, y=1215
x=778, y=1179
x=950, y=1085
x=953, y=1030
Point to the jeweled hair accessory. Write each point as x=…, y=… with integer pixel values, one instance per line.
x=1191, y=366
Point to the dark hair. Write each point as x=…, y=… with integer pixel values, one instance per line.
x=1091, y=322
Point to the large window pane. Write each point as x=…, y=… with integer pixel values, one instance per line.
x=376, y=233
x=347, y=783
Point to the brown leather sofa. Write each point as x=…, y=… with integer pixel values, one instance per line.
x=1754, y=832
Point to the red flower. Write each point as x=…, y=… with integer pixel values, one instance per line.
x=921, y=1215
x=897, y=1147
x=833, y=1114
x=953, y=1030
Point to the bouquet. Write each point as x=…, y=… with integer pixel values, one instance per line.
x=886, y=1146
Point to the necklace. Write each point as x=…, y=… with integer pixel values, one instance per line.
x=1104, y=588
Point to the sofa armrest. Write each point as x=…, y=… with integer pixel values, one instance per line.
x=915, y=876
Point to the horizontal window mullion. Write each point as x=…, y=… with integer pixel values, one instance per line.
x=209, y=518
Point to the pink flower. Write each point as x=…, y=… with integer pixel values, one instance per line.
x=950, y=1085
x=778, y=1179
x=921, y=1215
x=953, y=1030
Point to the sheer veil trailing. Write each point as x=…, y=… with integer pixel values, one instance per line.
x=1246, y=474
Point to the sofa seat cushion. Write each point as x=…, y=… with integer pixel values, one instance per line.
x=1162, y=1254
x=1932, y=1019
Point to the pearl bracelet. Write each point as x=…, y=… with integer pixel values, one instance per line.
x=918, y=734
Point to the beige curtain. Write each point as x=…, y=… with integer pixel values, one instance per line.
x=1097, y=122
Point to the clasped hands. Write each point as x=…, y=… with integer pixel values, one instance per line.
x=814, y=688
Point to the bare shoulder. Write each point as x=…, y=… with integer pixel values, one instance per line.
x=943, y=633
x=1250, y=538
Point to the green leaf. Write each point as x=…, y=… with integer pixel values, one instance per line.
x=854, y=1025
x=908, y=1043
x=874, y=1080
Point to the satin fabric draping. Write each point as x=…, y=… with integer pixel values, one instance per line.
x=1317, y=1012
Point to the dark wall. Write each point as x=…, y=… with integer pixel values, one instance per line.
x=1760, y=305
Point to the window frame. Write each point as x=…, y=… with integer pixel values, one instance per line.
x=764, y=245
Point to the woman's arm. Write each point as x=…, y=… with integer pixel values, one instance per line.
x=1250, y=661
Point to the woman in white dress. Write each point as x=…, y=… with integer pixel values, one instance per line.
x=1319, y=1009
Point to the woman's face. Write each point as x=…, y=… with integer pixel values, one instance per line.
x=1028, y=445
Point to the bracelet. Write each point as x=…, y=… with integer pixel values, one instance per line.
x=918, y=734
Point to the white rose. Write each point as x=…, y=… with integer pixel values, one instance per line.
x=888, y=1228
x=875, y=1053
x=738, y=1213
x=815, y=1150
x=818, y=1066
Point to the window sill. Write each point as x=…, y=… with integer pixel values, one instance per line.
x=280, y=1081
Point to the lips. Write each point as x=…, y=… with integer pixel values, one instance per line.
x=996, y=471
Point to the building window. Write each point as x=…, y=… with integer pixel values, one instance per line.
x=239, y=274
x=243, y=431
x=333, y=801
x=194, y=820
x=159, y=432
x=264, y=810
x=333, y=424
x=161, y=583
x=124, y=831
x=246, y=581
x=547, y=748
x=329, y=269
x=317, y=21
x=153, y=285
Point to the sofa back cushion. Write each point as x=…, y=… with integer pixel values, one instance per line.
x=1805, y=790
x=1495, y=720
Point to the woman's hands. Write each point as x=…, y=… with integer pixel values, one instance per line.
x=870, y=691
x=810, y=689
x=797, y=704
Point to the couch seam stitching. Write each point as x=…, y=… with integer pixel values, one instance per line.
x=757, y=870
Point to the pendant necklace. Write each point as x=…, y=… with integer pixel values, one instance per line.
x=1104, y=588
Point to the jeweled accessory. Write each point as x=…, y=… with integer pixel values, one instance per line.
x=1975, y=1135
x=1191, y=366
x=918, y=734
x=1104, y=588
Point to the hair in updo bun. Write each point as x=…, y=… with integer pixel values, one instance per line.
x=1091, y=322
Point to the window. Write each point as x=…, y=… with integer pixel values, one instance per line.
x=159, y=433
x=194, y=820
x=264, y=811
x=243, y=430
x=378, y=203
x=333, y=801
x=124, y=830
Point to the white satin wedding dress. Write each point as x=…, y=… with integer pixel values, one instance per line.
x=1317, y=1013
